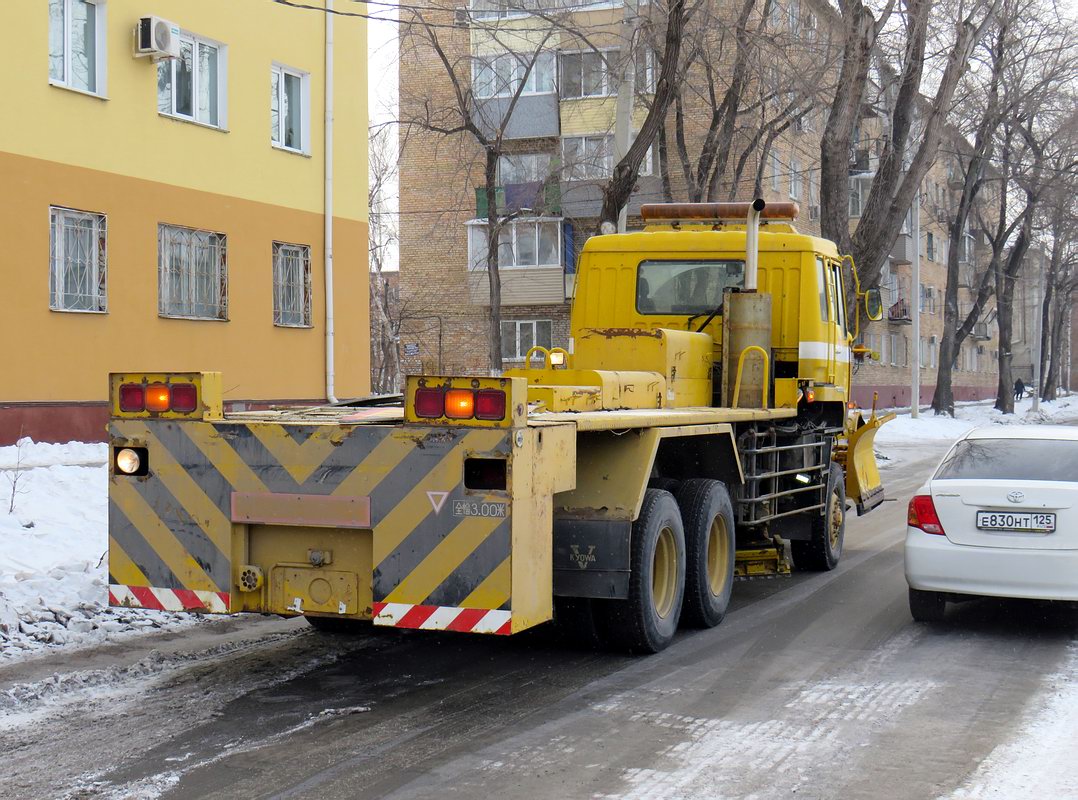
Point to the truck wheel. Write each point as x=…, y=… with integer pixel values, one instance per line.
x=708, y=516
x=822, y=552
x=647, y=620
x=338, y=625
x=927, y=606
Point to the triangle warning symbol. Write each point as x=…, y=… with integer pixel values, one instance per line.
x=437, y=500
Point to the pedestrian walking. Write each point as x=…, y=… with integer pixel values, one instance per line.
x=1019, y=389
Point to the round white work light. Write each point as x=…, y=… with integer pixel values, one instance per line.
x=127, y=461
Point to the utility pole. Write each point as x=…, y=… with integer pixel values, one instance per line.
x=915, y=292
x=623, y=111
x=1039, y=324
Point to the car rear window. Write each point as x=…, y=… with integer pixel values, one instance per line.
x=1012, y=459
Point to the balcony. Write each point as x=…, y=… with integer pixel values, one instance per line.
x=537, y=199
x=900, y=312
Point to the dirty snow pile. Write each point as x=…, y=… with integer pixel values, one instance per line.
x=53, y=572
x=905, y=430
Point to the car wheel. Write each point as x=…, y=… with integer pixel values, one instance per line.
x=927, y=606
x=708, y=517
x=647, y=620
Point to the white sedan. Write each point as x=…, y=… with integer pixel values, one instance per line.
x=998, y=518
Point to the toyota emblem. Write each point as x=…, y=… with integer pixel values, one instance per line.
x=1016, y=497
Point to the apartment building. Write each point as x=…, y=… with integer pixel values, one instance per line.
x=560, y=151
x=171, y=210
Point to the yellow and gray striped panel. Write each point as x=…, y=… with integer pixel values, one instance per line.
x=435, y=543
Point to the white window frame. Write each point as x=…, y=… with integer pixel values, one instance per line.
x=776, y=169
x=647, y=164
x=282, y=250
x=795, y=179
x=610, y=79
x=478, y=260
x=58, y=259
x=100, y=49
x=519, y=64
x=164, y=276
x=532, y=159
x=276, y=139
x=197, y=42
x=517, y=325
x=856, y=200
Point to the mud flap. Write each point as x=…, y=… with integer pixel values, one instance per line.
x=863, y=484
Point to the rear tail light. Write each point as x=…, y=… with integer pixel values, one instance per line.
x=490, y=404
x=922, y=515
x=132, y=397
x=157, y=397
x=429, y=403
x=184, y=397
x=460, y=404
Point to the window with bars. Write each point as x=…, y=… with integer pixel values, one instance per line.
x=289, y=93
x=78, y=262
x=192, y=273
x=192, y=86
x=291, y=285
x=77, y=44
x=519, y=336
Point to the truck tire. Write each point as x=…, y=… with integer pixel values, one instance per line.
x=710, y=551
x=671, y=485
x=927, y=606
x=338, y=625
x=822, y=552
x=647, y=620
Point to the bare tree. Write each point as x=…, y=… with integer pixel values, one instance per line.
x=913, y=121
x=1018, y=64
x=385, y=328
x=433, y=32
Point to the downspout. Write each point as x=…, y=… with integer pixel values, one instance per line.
x=752, y=243
x=328, y=206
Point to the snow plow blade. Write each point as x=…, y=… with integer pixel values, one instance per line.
x=863, y=484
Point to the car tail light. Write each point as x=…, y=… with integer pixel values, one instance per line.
x=490, y=404
x=429, y=403
x=132, y=397
x=922, y=515
x=157, y=397
x=184, y=398
x=460, y=404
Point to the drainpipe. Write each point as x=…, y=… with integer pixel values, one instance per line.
x=328, y=205
x=752, y=243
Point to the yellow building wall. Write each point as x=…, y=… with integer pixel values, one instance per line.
x=120, y=157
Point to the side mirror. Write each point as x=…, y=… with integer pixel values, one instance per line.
x=873, y=305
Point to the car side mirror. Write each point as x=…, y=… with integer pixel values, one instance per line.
x=873, y=305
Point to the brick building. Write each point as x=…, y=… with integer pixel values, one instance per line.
x=559, y=153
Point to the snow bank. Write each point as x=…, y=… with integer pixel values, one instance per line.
x=905, y=430
x=53, y=575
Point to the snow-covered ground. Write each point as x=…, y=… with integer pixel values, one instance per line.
x=895, y=439
x=53, y=571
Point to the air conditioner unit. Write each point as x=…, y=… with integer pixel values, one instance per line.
x=980, y=330
x=462, y=17
x=157, y=38
x=931, y=339
x=980, y=349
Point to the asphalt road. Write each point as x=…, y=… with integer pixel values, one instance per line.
x=816, y=686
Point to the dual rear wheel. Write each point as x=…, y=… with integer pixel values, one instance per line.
x=682, y=569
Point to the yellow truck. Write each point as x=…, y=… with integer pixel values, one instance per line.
x=698, y=422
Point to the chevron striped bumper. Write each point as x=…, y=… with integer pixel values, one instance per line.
x=379, y=522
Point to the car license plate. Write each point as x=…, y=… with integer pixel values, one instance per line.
x=1033, y=522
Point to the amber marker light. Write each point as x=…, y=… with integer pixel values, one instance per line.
x=460, y=404
x=157, y=397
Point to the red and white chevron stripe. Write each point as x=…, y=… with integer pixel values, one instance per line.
x=443, y=618
x=168, y=599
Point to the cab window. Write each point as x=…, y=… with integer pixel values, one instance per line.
x=821, y=283
x=838, y=296
x=685, y=287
